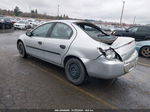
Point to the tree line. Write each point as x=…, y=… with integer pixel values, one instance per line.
x=33, y=14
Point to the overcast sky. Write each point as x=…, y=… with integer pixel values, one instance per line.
x=106, y=10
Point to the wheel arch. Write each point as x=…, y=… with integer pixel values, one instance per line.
x=72, y=56
x=144, y=46
x=19, y=40
x=69, y=57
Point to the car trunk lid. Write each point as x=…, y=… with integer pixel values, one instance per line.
x=124, y=46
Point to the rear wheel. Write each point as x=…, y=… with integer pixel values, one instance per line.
x=75, y=71
x=145, y=51
x=21, y=50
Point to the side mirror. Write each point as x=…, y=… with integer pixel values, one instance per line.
x=29, y=33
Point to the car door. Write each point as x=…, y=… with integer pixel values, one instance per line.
x=34, y=43
x=143, y=33
x=59, y=42
x=147, y=34
x=131, y=32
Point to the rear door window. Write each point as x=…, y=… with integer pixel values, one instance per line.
x=61, y=31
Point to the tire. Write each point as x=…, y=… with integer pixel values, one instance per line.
x=75, y=71
x=145, y=51
x=21, y=49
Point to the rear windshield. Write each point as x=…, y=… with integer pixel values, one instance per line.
x=96, y=33
x=92, y=30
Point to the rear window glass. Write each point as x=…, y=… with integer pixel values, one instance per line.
x=92, y=30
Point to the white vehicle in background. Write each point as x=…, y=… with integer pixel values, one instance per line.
x=33, y=23
x=38, y=23
x=21, y=25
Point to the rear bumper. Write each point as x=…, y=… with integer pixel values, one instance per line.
x=106, y=69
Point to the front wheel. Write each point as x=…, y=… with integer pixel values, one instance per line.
x=75, y=71
x=21, y=50
x=145, y=51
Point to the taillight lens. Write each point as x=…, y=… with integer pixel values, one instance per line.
x=109, y=53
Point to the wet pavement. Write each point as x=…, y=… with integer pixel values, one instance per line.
x=34, y=84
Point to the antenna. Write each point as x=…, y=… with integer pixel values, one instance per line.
x=58, y=10
x=134, y=20
x=122, y=12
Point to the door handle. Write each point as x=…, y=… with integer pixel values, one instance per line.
x=40, y=43
x=62, y=46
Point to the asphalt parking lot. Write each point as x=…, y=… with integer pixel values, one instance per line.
x=35, y=84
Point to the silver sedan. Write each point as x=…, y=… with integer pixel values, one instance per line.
x=81, y=48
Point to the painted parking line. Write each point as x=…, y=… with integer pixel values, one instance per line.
x=143, y=64
x=100, y=100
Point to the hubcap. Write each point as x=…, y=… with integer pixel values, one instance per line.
x=21, y=49
x=146, y=51
x=74, y=71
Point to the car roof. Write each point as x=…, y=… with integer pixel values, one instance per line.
x=68, y=21
x=141, y=26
